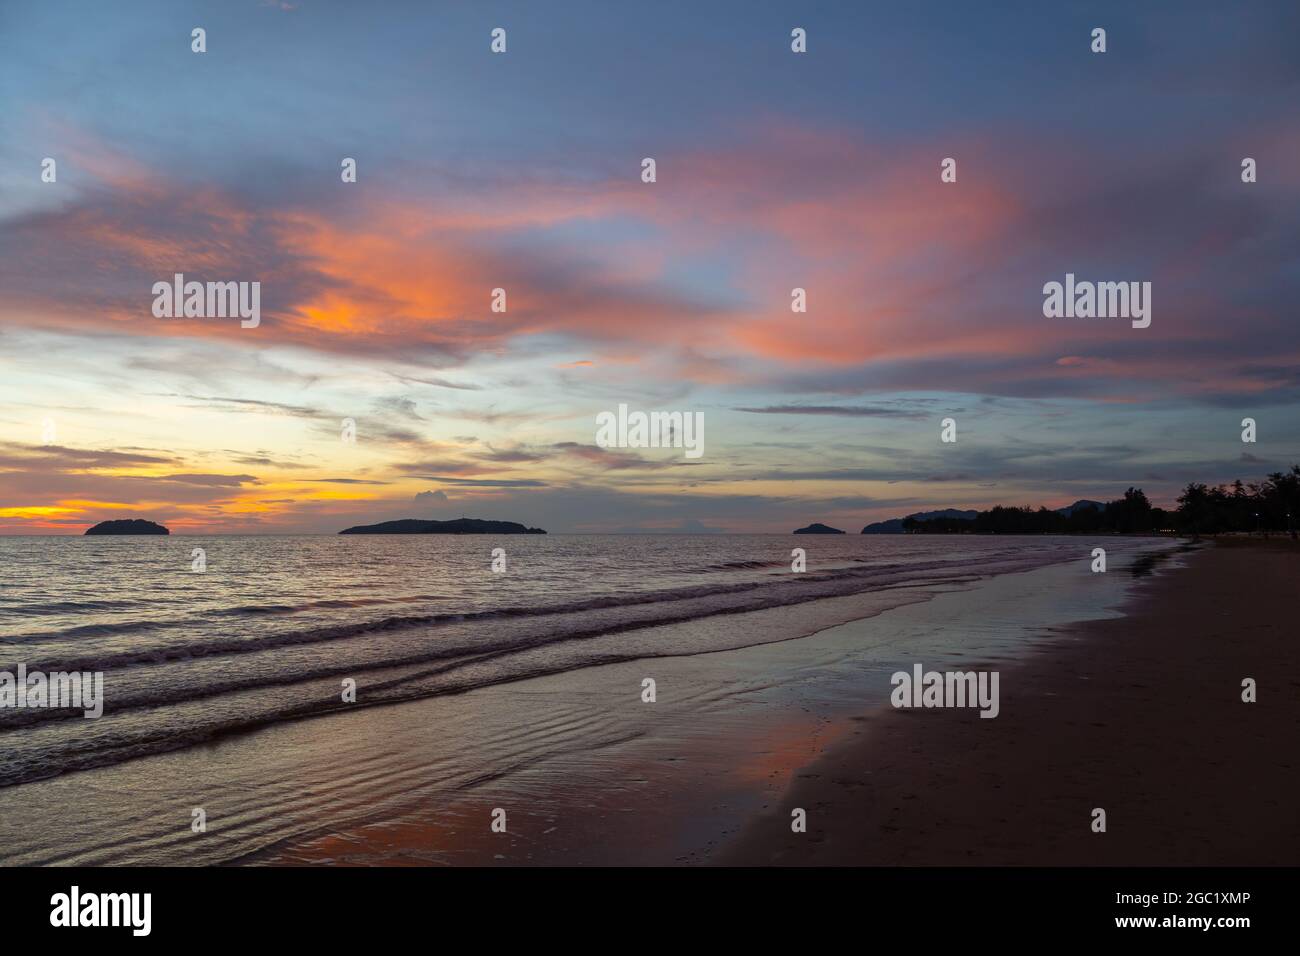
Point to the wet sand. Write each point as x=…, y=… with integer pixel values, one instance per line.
x=728, y=739
x=1137, y=713
x=1141, y=715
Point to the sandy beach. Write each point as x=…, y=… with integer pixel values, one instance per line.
x=1117, y=690
x=1137, y=711
x=445, y=443
x=1141, y=715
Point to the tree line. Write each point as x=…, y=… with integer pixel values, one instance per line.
x=1270, y=505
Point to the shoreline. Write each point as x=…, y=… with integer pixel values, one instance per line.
x=589, y=773
x=691, y=782
x=1140, y=715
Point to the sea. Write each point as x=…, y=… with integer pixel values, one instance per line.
x=204, y=640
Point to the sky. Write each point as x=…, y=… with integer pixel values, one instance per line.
x=522, y=171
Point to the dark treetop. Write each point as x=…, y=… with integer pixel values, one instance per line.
x=1269, y=505
x=895, y=525
x=127, y=526
x=457, y=526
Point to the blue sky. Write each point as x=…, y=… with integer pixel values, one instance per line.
x=775, y=170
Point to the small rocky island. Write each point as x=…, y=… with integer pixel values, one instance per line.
x=456, y=526
x=818, y=528
x=127, y=526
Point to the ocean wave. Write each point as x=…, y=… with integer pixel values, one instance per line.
x=814, y=584
x=169, y=690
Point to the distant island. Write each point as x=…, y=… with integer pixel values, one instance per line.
x=127, y=526
x=456, y=526
x=1269, y=505
x=895, y=525
x=952, y=520
x=817, y=528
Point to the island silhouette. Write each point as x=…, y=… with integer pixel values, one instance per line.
x=1269, y=505
x=455, y=526
x=817, y=528
x=127, y=526
x=896, y=525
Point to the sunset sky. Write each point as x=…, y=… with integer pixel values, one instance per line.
x=522, y=171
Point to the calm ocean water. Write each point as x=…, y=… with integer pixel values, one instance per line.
x=276, y=623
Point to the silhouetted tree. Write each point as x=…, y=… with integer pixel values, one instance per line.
x=1270, y=505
